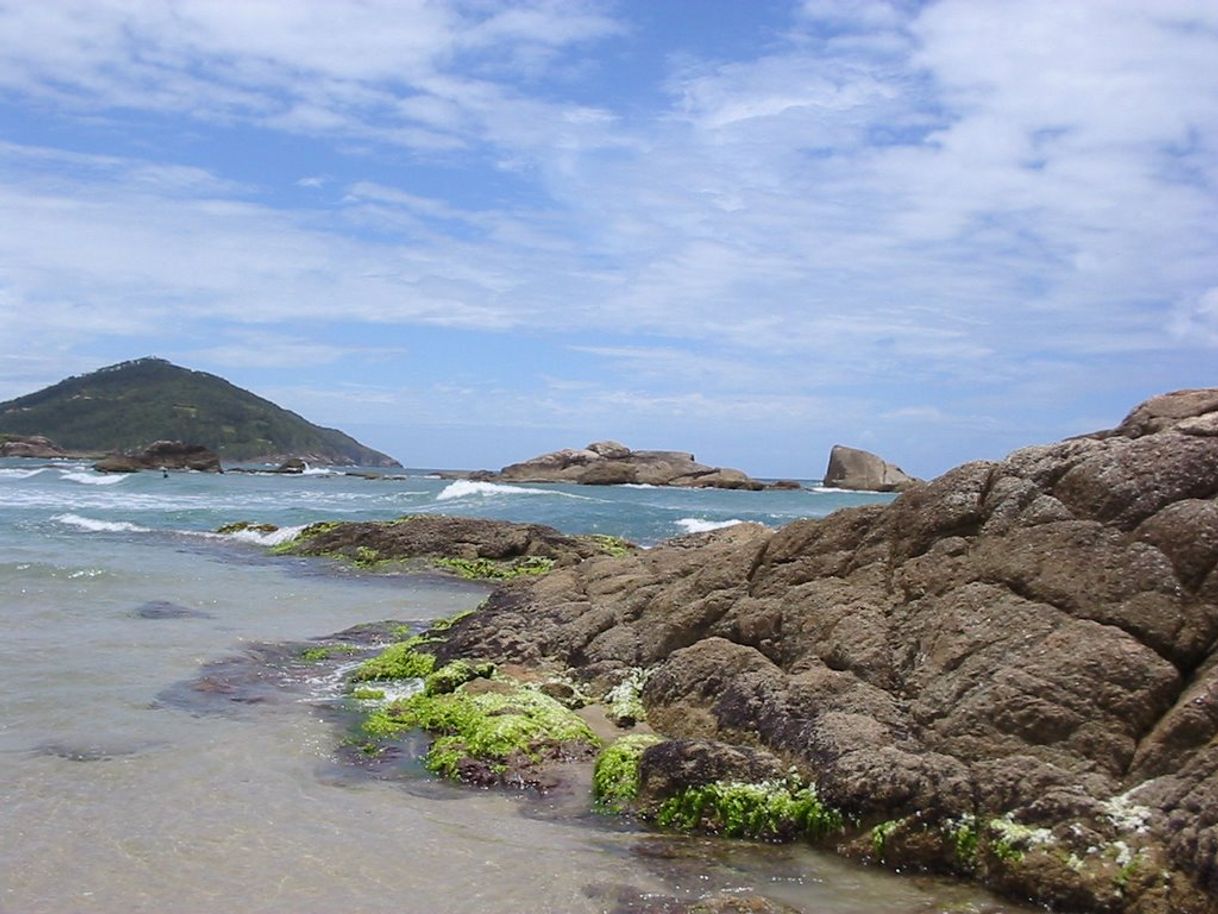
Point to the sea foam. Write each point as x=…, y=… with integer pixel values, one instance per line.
x=99, y=526
x=274, y=538
x=702, y=525
x=92, y=479
x=11, y=473
x=463, y=488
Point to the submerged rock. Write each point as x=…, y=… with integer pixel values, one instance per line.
x=612, y=463
x=851, y=468
x=1009, y=673
x=163, y=609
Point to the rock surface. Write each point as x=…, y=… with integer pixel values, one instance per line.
x=612, y=463
x=851, y=468
x=30, y=446
x=171, y=455
x=1010, y=672
x=439, y=536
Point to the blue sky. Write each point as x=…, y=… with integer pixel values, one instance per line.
x=470, y=231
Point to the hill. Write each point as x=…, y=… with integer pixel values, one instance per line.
x=126, y=406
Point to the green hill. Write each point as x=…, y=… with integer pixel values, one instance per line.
x=131, y=404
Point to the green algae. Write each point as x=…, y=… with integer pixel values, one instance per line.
x=452, y=676
x=613, y=546
x=239, y=526
x=366, y=694
x=767, y=810
x=880, y=835
x=292, y=546
x=488, y=727
x=482, y=569
x=327, y=651
x=444, y=624
x=398, y=661
x=615, y=779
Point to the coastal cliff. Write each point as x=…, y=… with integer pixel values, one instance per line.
x=1009, y=673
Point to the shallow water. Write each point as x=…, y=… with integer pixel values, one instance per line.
x=115, y=797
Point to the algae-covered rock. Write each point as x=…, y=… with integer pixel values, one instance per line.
x=1017, y=658
x=615, y=779
x=472, y=548
x=507, y=735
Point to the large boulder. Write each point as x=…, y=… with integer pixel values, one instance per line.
x=30, y=446
x=168, y=455
x=1009, y=673
x=851, y=468
x=612, y=463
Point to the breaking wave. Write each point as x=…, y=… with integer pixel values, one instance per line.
x=93, y=479
x=464, y=488
x=702, y=525
x=99, y=526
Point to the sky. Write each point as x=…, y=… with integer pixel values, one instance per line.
x=469, y=231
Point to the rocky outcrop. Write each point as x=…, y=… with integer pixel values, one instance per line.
x=607, y=463
x=472, y=547
x=850, y=468
x=1009, y=673
x=30, y=446
x=169, y=455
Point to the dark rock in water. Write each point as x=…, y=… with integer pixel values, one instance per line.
x=173, y=455
x=1009, y=672
x=612, y=463
x=30, y=446
x=473, y=547
x=293, y=465
x=163, y=609
x=851, y=468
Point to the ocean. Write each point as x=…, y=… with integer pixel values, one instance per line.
x=118, y=795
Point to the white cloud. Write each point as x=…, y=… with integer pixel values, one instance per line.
x=958, y=196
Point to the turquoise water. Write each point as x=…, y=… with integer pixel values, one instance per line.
x=114, y=799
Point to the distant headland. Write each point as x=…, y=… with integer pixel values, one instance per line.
x=123, y=407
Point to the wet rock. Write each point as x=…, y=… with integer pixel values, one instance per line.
x=172, y=455
x=1009, y=671
x=473, y=547
x=30, y=446
x=851, y=468
x=612, y=463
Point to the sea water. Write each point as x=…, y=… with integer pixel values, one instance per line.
x=114, y=797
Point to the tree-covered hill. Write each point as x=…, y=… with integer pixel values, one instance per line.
x=129, y=405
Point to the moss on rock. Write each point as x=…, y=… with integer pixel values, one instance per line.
x=452, y=676
x=615, y=780
x=495, y=569
x=398, y=661
x=486, y=735
x=768, y=810
x=327, y=651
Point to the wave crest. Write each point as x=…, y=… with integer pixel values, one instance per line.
x=93, y=479
x=99, y=526
x=464, y=488
x=702, y=525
